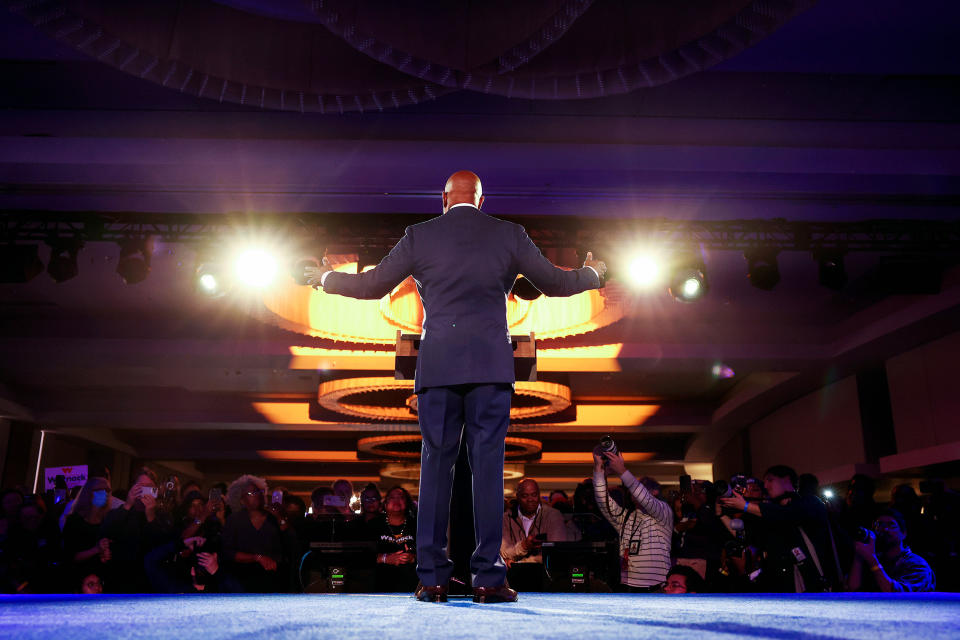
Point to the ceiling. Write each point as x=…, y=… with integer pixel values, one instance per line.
x=845, y=113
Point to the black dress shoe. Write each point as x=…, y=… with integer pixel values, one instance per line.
x=431, y=594
x=503, y=593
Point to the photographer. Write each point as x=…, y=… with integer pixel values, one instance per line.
x=645, y=532
x=186, y=566
x=893, y=568
x=800, y=552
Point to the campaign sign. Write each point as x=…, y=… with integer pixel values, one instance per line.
x=76, y=476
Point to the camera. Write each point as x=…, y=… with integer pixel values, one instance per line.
x=605, y=445
x=738, y=484
x=861, y=535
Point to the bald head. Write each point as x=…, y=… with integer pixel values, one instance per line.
x=463, y=187
x=528, y=496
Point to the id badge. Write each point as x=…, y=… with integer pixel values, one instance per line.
x=634, y=547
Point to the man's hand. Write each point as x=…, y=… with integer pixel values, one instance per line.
x=736, y=502
x=615, y=462
x=268, y=563
x=867, y=551
x=314, y=275
x=530, y=543
x=599, y=265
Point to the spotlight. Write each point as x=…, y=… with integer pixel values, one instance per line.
x=211, y=280
x=688, y=282
x=19, y=263
x=832, y=273
x=300, y=266
x=828, y=494
x=134, y=264
x=643, y=270
x=256, y=267
x=524, y=289
x=63, y=259
x=763, y=271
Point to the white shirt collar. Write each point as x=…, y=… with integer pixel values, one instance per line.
x=461, y=204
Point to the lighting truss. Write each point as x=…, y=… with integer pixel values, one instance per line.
x=384, y=230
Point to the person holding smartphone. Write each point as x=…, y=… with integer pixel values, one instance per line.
x=525, y=529
x=134, y=529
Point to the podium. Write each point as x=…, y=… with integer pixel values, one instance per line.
x=524, y=356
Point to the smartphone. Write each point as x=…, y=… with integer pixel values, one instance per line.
x=277, y=497
x=214, y=495
x=153, y=491
x=685, y=484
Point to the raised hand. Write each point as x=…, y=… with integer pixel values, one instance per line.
x=314, y=275
x=599, y=265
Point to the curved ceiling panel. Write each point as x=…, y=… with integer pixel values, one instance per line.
x=336, y=56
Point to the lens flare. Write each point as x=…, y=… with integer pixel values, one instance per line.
x=644, y=271
x=256, y=268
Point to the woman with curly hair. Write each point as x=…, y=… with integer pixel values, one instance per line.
x=252, y=542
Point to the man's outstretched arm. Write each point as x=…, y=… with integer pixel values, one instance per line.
x=552, y=280
x=372, y=284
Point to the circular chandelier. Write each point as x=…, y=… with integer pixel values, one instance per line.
x=387, y=399
x=407, y=447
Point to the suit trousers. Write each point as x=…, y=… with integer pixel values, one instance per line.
x=481, y=414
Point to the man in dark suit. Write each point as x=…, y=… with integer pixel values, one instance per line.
x=464, y=263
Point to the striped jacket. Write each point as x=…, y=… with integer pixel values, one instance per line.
x=649, y=528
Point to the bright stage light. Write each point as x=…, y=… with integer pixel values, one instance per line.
x=208, y=283
x=828, y=494
x=256, y=268
x=644, y=270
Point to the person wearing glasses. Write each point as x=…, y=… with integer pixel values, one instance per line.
x=883, y=563
x=252, y=542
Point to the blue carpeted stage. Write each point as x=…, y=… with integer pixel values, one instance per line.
x=388, y=617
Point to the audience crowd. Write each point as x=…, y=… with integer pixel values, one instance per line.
x=775, y=533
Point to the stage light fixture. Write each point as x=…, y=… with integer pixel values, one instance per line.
x=525, y=290
x=762, y=269
x=134, y=264
x=62, y=265
x=688, y=282
x=831, y=271
x=300, y=266
x=256, y=267
x=19, y=263
x=211, y=280
x=828, y=494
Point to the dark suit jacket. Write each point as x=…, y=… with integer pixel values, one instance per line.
x=464, y=263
